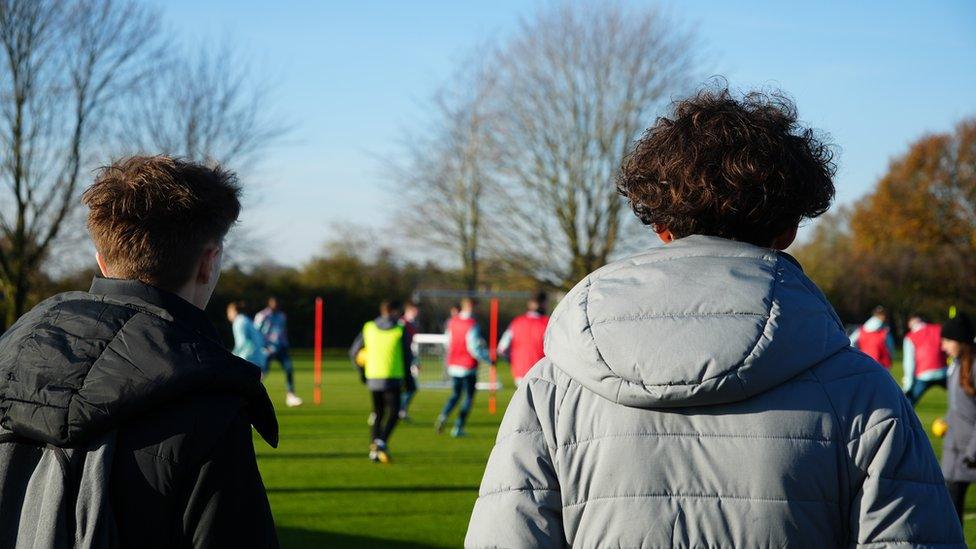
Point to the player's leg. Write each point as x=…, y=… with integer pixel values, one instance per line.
x=410, y=389
x=957, y=493
x=392, y=401
x=915, y=393
x=457, y=387
x=291, y=399
x=920, y=387
x=376, y=431
x=470, y=387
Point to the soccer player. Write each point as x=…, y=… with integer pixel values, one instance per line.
x=274, y=325
x=126, y=421
x=522, y=341
x=466, y=348
x=248, y=341
x=386, y=356
x=874, y=337
x=924, y=360
x=409, y=322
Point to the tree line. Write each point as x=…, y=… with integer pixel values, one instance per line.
x=518, y=165
x=909, y=244
x=85, y=81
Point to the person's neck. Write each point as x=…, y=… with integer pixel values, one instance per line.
x=192, y=295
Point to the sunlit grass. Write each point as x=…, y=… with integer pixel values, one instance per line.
x=325, y=492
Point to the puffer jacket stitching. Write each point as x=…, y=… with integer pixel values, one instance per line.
x=697, y=435
x=518, y=432
x=517, y=489
x=883, y=423
x=912, y=481
x=71, y=419
x=655, y=495
x=732, y=371
x=588, y=328
x=635, y=318
x=845, y=453
x=770, y=257
x=155, y=455
x=799, y=275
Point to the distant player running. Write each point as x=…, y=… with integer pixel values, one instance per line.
x=248, y=341
x=925, y=363
x=522, y=341
x=410, y=329
x=874, y=338
x=385, y=353
x=274, y=325
x=465, y=349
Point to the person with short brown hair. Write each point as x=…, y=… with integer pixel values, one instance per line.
x=130, y=382
x=704, y=393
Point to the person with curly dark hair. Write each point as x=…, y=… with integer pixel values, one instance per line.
x=704, y=393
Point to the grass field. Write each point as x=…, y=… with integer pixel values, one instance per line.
x=325, y=492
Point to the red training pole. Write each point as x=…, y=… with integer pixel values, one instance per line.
x=318, y=352
x=493, y=354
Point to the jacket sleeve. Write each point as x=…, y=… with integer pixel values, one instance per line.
x=505, y=342
x=519, y=504
x=357, y=345
x=899, y=495
x=240, y=336
x=227, y=505
x=908, y=364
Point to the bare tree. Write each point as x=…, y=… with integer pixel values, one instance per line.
x=64, y=66
x=208, y=105
x=448, y=174
x=577, y=83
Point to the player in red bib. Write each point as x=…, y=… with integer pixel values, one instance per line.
x=874, y=338
x=925, y=362
x=522, y=341
x=466, y=348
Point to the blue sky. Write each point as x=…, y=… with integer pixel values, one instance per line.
x=351, y=76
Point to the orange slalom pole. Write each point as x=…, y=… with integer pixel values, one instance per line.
x=493, y=354
x=317, y=395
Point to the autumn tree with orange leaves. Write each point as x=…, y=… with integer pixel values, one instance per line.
x=910, y=244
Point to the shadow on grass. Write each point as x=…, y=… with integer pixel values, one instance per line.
x=296, y=538
x=387, y=489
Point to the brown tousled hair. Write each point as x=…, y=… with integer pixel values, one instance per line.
x=966, y=357
x=151, y=216
x=742, y=169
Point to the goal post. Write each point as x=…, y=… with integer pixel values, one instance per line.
x=430, y=350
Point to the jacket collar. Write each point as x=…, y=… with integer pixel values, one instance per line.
x=182, y=311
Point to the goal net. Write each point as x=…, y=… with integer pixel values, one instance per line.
x=495, y=310
x=431, y=353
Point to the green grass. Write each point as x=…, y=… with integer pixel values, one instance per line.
x=325, y=492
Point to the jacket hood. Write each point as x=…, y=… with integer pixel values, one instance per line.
x=697, y=322
x=81, y=364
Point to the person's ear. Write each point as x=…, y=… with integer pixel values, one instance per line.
x=209, y=264
x=665, y=235
x=102, y=266
x=784, y=240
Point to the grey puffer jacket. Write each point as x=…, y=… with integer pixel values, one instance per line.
x=704, y=394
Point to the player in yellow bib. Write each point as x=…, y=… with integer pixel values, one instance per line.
x=385, y=352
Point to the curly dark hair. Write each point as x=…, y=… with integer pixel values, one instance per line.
x=741, y=169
